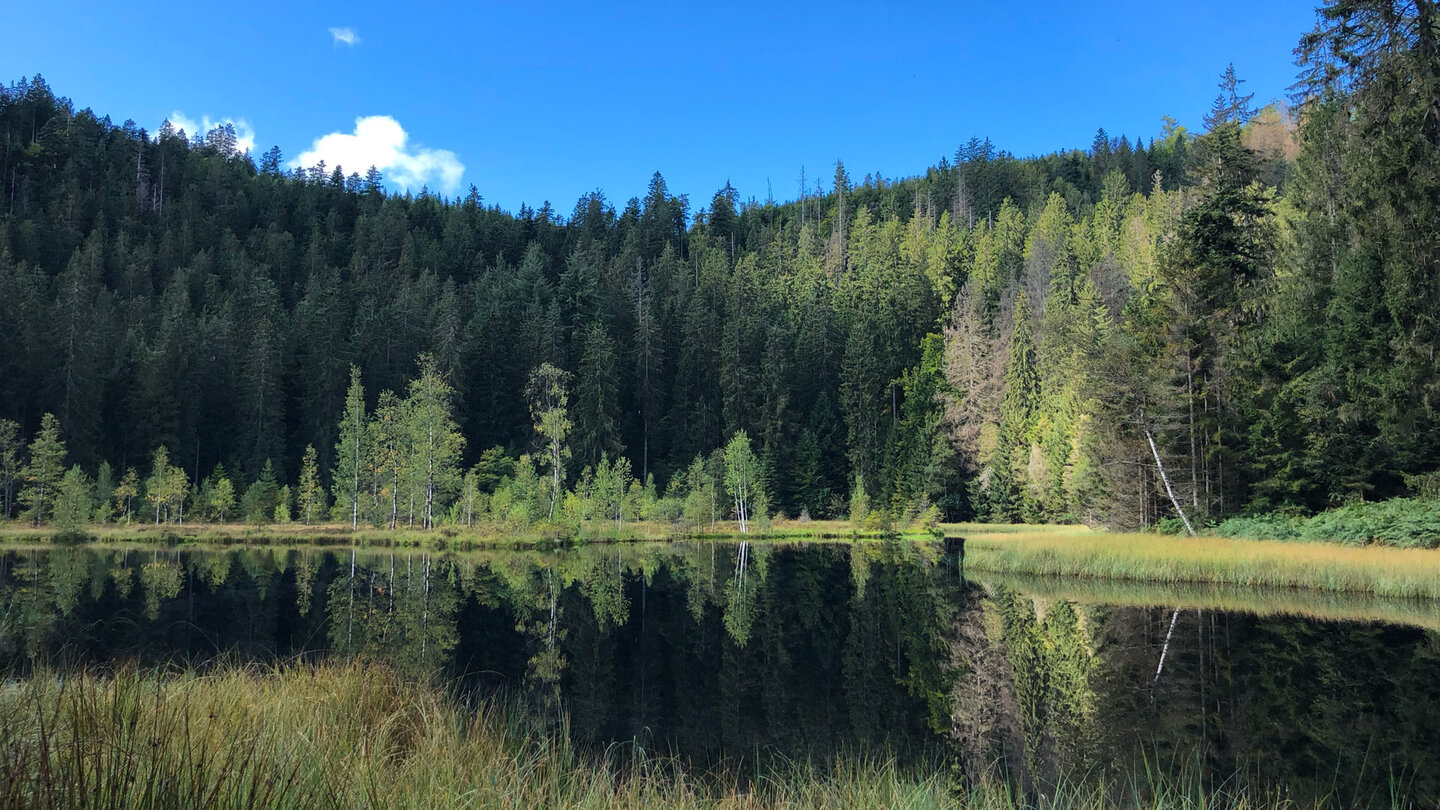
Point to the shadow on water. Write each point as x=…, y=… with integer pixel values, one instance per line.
x=727, y=653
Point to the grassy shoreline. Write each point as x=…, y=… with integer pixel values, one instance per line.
x=445, y=538
x=1079, y=552
x=1044, y=551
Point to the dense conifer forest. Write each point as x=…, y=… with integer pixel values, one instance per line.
x=1252, y=304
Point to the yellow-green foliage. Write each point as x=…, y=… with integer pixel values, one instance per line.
x=1079, y=552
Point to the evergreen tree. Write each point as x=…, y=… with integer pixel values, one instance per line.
x=350, y=449
x=597, y=397
x=261, y=498
x=43, y=472
x=311, y=495
x=72, y=503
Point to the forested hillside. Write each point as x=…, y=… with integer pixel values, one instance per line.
x=1001, y=337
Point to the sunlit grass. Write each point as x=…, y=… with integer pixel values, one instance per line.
x=347, y=736
x=1079, y=552
x=1302, y=602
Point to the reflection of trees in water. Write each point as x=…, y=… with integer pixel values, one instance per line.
x=717, y=648
x=397, y=609
x=1050, y=690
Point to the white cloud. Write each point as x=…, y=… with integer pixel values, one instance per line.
x=345, y=36
x=244, y=133
x=380, y=141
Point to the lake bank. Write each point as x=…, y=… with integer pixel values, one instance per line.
x=1027, y=550
x=1079, y=552
x=444, y=538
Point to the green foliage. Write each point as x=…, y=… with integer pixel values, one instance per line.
x=103, y=494
x=261, y=498
x=217, y=493
x=44, y=470
x=351, y=450
x=73, y=504
x=1401, y=522
x=11, y=448
x=310, y=498
x=166, y=488
x=743, y=481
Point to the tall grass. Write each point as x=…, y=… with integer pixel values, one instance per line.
x=348, y=736
x=1390, y=572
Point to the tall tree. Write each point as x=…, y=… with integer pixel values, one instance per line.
x=350, y=450
x=549, y=395
x=434, y=435
x=43, y=471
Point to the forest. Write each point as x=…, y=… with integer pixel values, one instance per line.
x=1252, y=304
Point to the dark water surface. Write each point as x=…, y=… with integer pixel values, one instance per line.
x=723, y=652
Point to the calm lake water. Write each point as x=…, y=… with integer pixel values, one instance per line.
x=720, y=652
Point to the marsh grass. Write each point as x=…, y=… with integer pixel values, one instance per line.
x=1079, y=552
x=1302, y=602
x=344, y=735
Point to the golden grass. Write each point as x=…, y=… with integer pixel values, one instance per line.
x=1080, y=552
x=1302, y=602
x=341, y=735
x=345, y=736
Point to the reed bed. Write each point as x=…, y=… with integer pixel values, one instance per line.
x=346, y=736
x=1078, y=552
x=342, y=735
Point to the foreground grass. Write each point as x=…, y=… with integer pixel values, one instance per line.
x=1079, y=552
x=345, y=736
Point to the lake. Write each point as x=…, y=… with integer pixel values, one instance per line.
x=723, y=654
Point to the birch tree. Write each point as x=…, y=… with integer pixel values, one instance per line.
x=434, y=436
x=549, y=397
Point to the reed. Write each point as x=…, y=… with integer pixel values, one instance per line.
x=344, y=735
x=1079, y=552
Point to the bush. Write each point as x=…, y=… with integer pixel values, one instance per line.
x=1401, y=522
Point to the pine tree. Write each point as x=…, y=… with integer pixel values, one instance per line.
x=73, y=504
x=311, y=495
x=1021, y=385
x=597, y=396
x=44, y=471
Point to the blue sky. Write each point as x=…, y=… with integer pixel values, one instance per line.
x=535, y=102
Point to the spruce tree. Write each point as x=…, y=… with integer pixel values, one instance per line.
x=43, y=472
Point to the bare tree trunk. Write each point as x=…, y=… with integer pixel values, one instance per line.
x=1166, y=480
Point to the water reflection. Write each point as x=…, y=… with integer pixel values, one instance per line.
x=722, y=651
